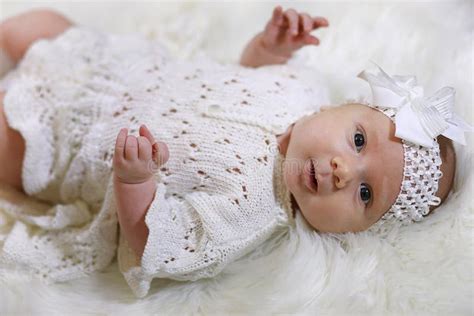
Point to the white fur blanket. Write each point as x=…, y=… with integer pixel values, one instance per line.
x=422, y=269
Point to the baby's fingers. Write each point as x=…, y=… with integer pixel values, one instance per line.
x=272, y=29
x=119, y=152
x=319, y=22
x=144, y=149
x=307, y=22
x=310, y=39
x=131, y=148
x=144, y=131
x=162, y=152
x=277, y=17
x=292, y=17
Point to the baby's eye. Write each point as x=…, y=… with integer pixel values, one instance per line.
x=365, y=194
x=359, y=141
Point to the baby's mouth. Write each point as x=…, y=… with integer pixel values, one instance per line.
x=313, y=176
x=311, y=181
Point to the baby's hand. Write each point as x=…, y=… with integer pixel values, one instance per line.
x=136, y=158
x=288, y=31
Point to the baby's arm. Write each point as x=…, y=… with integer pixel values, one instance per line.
x=285, y=33
x=133, y=201
x=134, y=185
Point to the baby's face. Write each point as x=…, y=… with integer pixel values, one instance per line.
x=358, y=165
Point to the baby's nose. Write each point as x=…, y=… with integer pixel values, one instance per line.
x=342, y=172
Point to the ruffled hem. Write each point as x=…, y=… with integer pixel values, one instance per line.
x=39, y=150
x=134, y=269
x=31, y=113
x=129, y=265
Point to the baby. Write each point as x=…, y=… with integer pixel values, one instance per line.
x=224, y=155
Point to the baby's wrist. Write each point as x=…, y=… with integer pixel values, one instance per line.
x=134, y=174
x=268, y=51
x=126, y=182
x=257, y=54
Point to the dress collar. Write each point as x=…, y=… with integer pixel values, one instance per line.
x=282, y=194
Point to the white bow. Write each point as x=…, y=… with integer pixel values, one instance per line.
x=418, y=119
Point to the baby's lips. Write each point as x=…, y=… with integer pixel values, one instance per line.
x=160, y=152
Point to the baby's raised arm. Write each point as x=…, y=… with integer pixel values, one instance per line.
x=285, y=33
x=134, y=161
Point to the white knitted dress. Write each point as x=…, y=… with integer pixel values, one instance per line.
x=220, y=195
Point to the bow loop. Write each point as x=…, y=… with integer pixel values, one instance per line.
x=418, y=119
x=443, y=101
x=408, y=81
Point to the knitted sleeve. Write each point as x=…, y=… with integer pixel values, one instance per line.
x=188, y=239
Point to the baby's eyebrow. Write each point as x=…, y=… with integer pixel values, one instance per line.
x=374, y=137
x=382, y=193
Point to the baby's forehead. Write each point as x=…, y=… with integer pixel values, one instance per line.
x=363, y=112
x=356, y=107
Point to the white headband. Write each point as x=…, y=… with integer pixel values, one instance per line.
x=418, y=121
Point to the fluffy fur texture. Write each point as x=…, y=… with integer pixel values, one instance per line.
x=420, y=269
